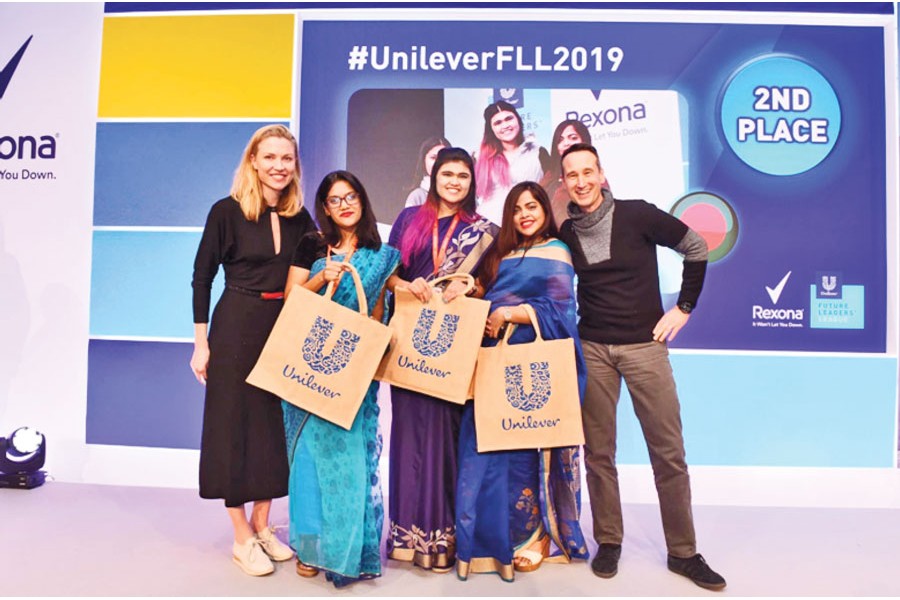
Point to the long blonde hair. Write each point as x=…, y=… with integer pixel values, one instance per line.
x=247, y=189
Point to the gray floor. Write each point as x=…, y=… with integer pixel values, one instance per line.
x=78, y=539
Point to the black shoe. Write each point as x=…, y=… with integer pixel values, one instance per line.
x=606, y=561
x=696, y=569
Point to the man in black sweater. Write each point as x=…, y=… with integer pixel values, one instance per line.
x=623, y=333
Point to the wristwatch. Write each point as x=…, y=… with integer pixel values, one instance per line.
x=686, y=307
x=507, y=315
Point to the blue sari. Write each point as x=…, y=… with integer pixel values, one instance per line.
x=334, y=490
x=541, y=489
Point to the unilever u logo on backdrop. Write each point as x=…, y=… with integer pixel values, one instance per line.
x=540, y=387
x=422, y=341
x=829, y=284
x=340, y=354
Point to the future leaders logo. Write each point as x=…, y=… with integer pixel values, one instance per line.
x=7, y=73
x=834, y=305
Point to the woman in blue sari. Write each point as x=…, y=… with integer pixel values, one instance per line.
x=334, y=491
x=541, y=488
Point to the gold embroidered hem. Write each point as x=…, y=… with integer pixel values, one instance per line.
x=485, y=565
x=441, y=561
x=429, y=550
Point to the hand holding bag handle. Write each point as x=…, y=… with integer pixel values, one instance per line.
x=532, y=316
x=470, y=281
x=295, y=366
x=435, y=344
x=360, y=292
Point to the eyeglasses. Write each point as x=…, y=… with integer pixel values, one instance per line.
x=352, y=199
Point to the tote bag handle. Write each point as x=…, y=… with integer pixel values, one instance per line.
x=360, y=292
x=534, y=323
x=470, y=281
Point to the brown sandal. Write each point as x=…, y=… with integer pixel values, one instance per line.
x=306, y=570
x=530, y=559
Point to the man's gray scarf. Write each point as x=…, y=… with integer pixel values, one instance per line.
x=594, y=229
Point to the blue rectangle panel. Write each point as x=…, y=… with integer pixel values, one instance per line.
x=784, y=411
x=141, y=283
x=143, y=394
x=164, y=174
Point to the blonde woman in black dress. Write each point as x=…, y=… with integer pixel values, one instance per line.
x=252, y=235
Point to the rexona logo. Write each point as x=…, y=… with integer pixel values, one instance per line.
x=610, y=115
x=426, y=346
x=27, y=146
x=23, y=146
x=777, y=316
x=10, y=68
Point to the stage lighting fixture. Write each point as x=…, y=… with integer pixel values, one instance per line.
x=22, y=455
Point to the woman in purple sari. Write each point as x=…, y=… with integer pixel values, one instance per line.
x=440, y=237
x=511, y=505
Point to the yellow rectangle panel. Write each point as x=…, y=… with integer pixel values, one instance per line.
x=209, y=66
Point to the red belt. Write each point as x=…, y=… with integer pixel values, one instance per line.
x=255, y=294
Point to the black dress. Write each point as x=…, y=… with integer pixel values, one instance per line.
x=243, y=456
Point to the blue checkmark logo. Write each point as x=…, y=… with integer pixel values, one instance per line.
x=10, y=68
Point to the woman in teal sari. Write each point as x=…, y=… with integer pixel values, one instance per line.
x=540, y=489
x=334, y=491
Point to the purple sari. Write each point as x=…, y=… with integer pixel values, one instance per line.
x=425, y=430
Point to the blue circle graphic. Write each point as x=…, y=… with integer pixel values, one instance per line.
x=780, y=115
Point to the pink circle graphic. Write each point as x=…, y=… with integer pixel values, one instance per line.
x=711, y=217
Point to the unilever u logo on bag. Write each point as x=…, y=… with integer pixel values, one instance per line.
x=340, y=354
x=540, y=387
x=422, y=342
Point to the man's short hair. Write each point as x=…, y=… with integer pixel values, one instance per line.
x=580, y=147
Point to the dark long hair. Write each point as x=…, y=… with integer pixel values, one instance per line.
x=582, y=132
x=509, y=239
x=492, y=169
x=418, y=232
x=366, y=229
x=427, y=144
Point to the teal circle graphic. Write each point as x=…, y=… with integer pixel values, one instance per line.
x=780, y=115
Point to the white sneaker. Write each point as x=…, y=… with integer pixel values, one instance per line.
x=250, y=557
x=272, y=546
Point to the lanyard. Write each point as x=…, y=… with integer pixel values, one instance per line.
x=438, y=256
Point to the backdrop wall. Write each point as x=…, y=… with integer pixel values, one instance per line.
x=773, y=133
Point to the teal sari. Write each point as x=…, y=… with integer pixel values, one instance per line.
x=334, y=490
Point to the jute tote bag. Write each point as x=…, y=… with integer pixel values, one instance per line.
x=322, y=356
x=526, y=395
x=435, y=345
